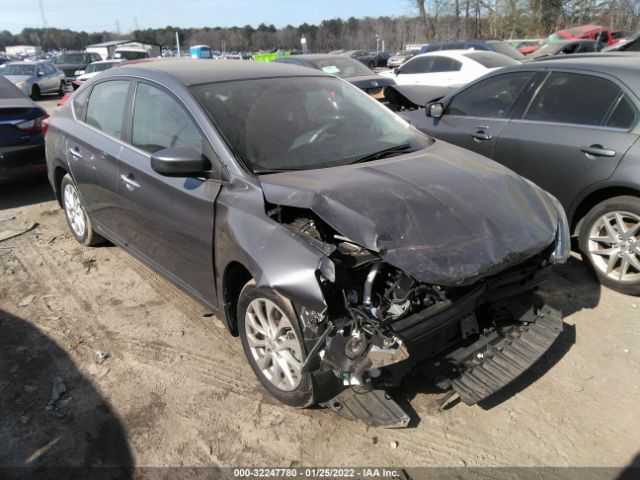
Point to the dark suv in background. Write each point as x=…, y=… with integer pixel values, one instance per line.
x=71, y=62
x=571, y=126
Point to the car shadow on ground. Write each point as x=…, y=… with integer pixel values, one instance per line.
x=572, y=287
x=25, y=192
x=76, y=435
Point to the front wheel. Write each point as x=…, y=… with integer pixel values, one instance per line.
x=272, y=341
x=372, y=65
x=62, y=88
x=610, y=239
x=76, y=214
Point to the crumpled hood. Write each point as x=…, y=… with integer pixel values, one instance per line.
x=444, y=215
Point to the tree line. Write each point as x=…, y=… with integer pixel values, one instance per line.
x=435, y=20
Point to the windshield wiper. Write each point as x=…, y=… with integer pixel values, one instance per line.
x=387, y=152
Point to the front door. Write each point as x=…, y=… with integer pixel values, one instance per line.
x=168, y=221
x=476, y=116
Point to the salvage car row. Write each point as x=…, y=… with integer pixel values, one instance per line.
x=343, y=245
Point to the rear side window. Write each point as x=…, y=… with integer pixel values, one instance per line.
x=445, y=64
x=490, y=98
x=80, y=102
x=491, y=60
x=160, y=122
x=105, y=109
x=574, y=98
x=418, y=65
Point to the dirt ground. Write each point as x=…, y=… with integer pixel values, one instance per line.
x=175, y=388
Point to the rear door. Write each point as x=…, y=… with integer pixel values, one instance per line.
x=475, y=117
x=572, y=135
x=94, y=143
x=168, y=221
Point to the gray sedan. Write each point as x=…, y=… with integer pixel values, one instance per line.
x=34, y=78
x=571, y=125
x=340, y=244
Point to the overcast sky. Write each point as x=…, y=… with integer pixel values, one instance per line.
x=99, y=15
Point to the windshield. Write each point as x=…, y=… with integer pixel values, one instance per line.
x=341, y=67
x=506, y=49
x=99, y=67
x=72, y=58
x=550, y=48
x=302, y=123
x=130, y=55
x=18, y=69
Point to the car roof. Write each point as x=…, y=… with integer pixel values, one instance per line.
x=622, y=65
x=316, y=56
x=191, y=71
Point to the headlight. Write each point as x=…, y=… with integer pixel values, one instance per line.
x=563, y=235
x=21, y=84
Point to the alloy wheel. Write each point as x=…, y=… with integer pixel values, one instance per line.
x=274, y=344
x=74, y=211
x=614, y=245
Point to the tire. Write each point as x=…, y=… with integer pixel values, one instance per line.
x=295, y=390
x=35, y=92
x=74, y=211
x=62, y=88
x=372, y=65
x=610, y=241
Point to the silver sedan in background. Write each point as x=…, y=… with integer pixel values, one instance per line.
x=34, y=78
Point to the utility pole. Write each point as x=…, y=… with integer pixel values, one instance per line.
x=177, y=44
x=44, y=19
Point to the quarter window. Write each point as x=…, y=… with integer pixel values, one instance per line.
x=624, y=114
x=80, y=102
x=574, y=98
x=490, y=98
x=160, y=122
x=106, y=106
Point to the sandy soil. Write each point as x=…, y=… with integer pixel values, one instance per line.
x=175, y=388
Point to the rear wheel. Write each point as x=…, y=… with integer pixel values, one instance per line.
x=272, y=341
x=372, y=65
x=76, y=214
x=610, y=239
x=62, y=88
x=35, y=92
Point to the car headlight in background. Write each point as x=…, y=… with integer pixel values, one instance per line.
x=21, y=84
x=563, y=235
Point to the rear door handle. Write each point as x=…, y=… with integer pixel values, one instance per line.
x=481, y=136
x=598, y=151
x=75, y=153
x=129, y=182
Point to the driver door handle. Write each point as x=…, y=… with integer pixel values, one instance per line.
x=481, y=136
x=129, y=182
x=598, y=151
x=75, y=153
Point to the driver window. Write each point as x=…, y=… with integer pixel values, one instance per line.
x=491, y=98
x=161, y=122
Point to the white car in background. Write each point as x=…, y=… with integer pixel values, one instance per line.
x=92, y=70
x=448, y=68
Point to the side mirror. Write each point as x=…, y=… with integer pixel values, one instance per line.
x=40, y=73
x=435, y=110
x=396, y=71
x=179, y=161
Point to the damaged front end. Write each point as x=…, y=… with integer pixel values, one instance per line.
x=380, y=323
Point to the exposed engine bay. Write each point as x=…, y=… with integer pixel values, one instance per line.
x=379, y=322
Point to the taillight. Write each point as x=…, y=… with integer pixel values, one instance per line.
x=65, y=99
x=39, y=124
